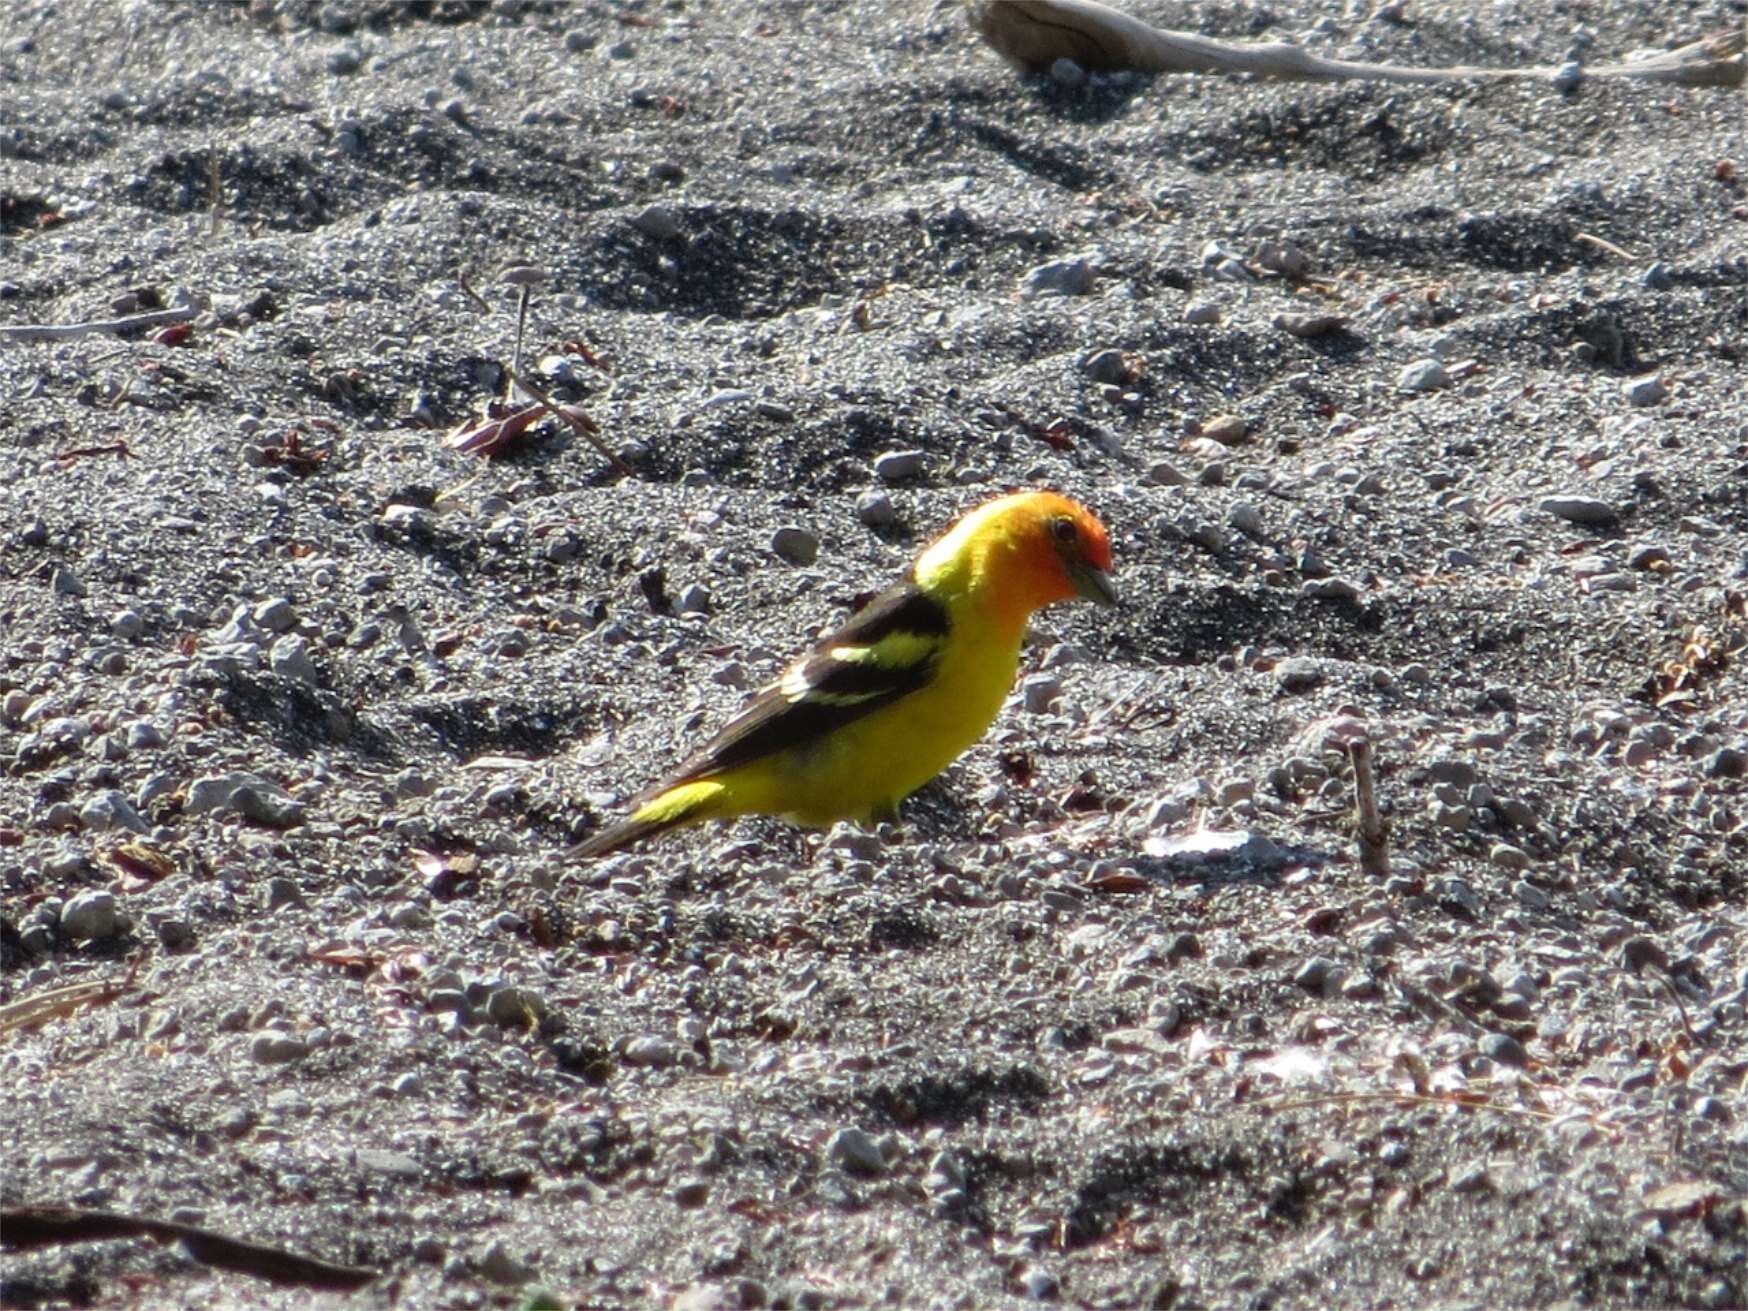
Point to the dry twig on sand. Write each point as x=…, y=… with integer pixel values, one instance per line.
x=1034, y=34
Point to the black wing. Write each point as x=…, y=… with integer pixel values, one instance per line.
x=888, y=648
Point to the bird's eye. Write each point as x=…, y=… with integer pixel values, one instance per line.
x=1063, y=529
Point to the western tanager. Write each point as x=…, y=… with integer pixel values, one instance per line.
x=879, y=707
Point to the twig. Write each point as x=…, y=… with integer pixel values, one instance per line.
x=24, y=332
x=29, y=1012
x=1452, y=1099
x=1668, y=981
x=575, y=422
x=24, y=1227
x=1034, y=34
x=1600, y=244
x=1368, y=823
x=109, y=448
x=612, y=457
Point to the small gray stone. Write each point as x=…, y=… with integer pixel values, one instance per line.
x=108, y=811
x=1162, y=473
x=1423, y=375
x=275, y=615
x=275, y=1048
x=1315, y=974
x=1530, y=897
x=876, y=510
x=1472, y=1179
x=658, y=222
x=289, y=657
x=1658, y=278
x=517, y=1007
x=796, y=545
x=125, y=625
x=1567, y=77
x=1062, y=277
x=1727, y=762
x=1579, y=510
x=856, y=1151
x=1066, y=73
x=1040, y=692
x=1299, y=674
x=897, y=466
x=1330, y=589
x=1503, y=1048
x=1505, y=856
x=382, y=1161
x=652, y=1051
x=90, y=915
x=1645, y=392
x=499, y=1266
x=1040, y=1284
x=693, y=600
x=1202, y=312
x=66, y=583
x=1107, y=366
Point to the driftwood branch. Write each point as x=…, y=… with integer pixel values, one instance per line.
x=23, y=332
x=26, y=1227
x=1034, y=34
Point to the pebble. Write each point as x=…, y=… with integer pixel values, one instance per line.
x=875, y=509
x=796, y=545
x=1423, y=375
x=275, y=1048
x=1065, y=72
x=1505, y=856
x=1106, y=366
x=382, y=1161
x=125, y=625
x=1315, y=975
x=1246, y=518
x=694, y=599
x=1040, y=692
x=856, y=1151
x=1202, y=312
x=1062, y=277
x=1227, y=429
x=1530, y=896
x=652, y=1051
x=1567, y=77
x=1040, y=1284
x=1162, y=473
x=1504, y=1049
x=109, y=811
x=896, y=467
x=275, y=615
x=90, y=915
x=1298, y=674
x=1727, y=762
x=289, y=657
x=1658, y=277
x=1330, y=589
x=498, y=1265
x=245, y=795
x=1579, y=510
x=514, y=1007
x=1645, y=391
x=691, y=1193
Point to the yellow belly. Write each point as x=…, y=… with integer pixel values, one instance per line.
x=871, y=765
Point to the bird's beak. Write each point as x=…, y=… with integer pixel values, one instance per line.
x=1094, y=584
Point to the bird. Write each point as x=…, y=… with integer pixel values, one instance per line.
x=882, y=704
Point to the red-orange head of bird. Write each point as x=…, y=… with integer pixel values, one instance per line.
x=1019, y=552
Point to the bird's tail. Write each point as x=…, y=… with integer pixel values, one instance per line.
x=686, y=803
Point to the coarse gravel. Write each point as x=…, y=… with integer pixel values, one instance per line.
x=1418, y=419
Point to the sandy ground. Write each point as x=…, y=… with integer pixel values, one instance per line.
x=301, y=711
